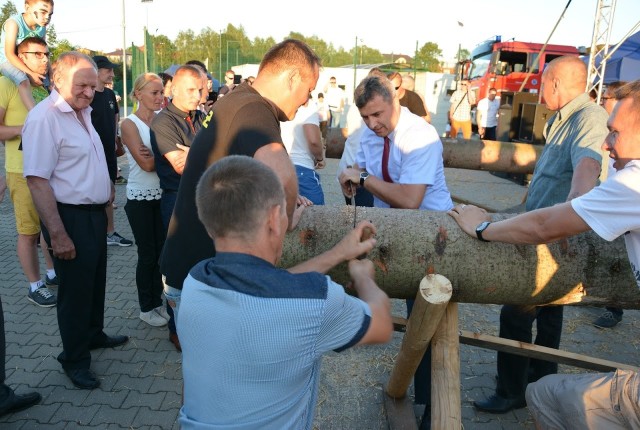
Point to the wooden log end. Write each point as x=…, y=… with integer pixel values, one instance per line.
x=436, y=289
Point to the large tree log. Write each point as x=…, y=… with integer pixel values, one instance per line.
x=508, y=157
x=490, y=155
x=582, y=270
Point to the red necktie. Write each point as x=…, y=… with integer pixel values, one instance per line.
x=385, y=161
x=190, y=122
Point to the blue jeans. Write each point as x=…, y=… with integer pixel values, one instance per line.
x=173, y=301
x=335, y=117
x=309, y=185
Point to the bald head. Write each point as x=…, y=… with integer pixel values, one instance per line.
x=187, y=87
x=564, y=79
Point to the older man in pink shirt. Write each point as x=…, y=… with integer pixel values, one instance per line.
x=66, y=171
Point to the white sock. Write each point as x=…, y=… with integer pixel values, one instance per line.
x=35, y=285
x=51, y=273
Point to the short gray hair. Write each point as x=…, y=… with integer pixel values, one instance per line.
x=234, y=195
x=372, y=86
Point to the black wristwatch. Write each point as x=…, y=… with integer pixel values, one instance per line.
x=480, y=228
x=363, y=177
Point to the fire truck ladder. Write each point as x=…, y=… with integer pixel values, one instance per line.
x=602, y=26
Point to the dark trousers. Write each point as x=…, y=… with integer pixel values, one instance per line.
x=616, y=311
x=148, y=231
x=82, y=282
x=167, y=202
x=490, y=133
x=516, y=322
x=363, y=198
x=5, y=391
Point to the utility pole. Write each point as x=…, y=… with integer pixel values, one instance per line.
x=355, y=62
x=146, y=62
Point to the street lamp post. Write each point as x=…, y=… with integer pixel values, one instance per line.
x=124, y=65
x=355, y=62
x=146, y=67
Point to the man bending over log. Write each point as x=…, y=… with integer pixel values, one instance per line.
x=252, y=334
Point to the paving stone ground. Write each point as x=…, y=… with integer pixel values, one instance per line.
x=142, y=383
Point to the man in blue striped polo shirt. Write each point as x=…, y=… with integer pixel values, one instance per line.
x=253, y=334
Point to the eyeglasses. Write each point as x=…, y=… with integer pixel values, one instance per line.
x=229, y=77
x=39, y=55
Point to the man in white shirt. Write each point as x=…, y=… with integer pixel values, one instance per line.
x=399, y=160
x=409, y=174
x=302, y=138
x=334, y=97
x=487, y=115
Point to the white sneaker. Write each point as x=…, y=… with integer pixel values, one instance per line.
x=162, y=311
x=152, y=318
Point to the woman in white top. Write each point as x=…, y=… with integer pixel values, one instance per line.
x=143, y=197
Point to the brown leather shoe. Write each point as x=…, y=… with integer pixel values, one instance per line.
x=173, y=338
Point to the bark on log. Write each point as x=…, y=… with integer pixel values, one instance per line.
x=583, y=270
x=490, y=155
x=431, y=302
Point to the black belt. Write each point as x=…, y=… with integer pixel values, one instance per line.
x=86, y=207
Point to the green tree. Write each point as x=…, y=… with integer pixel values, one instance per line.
x=465, y=54
x=8, y=9
x=57, y=47
x=184, y=47
x=164, y=51
x=428, y=57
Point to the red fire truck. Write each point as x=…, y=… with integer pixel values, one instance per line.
x=505, y=65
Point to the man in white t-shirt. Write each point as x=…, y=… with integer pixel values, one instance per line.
x=589, y=401
x=334, y=97
x=302, y=138
x=487, y=115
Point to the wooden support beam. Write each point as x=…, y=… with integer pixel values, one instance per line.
x=542, y=353
x=431, y=302
x=446, y=413
x=531, y=350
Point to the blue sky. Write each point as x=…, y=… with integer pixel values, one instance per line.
x=386, y=26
